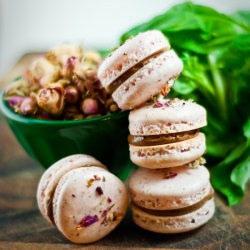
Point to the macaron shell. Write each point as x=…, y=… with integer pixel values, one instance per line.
x=154, y=189
x=130, y=53
x=174, y=224
x=175, y=115
x=148, y=81
x=88, y=204
x=53, y=174
x=168, y=155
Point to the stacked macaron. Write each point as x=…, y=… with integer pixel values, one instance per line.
x=171, y=190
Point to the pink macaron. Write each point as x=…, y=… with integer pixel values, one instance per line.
x=82, y=198
x=166, y=133
x=139, y=69
x=171, y=200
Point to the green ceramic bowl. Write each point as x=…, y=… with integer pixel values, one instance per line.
x=104, y=137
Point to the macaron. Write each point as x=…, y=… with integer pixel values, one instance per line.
x=82, y=198
x=139, y=69
x=171, y=200
x=166, y=133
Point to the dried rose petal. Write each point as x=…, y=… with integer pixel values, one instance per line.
x=99, y=191
x=87, y=221
x=169, y=175
x=90, y=182
x=97, y=177
x=167, y=103
x=105, y=212
x=158, y=105
x=165, y=91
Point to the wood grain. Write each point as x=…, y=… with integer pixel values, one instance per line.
x=22, y=226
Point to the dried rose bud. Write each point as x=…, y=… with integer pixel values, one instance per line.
x=42, y=71
x=20, y=87
x=15, y=102
x=92, y=56
x=71, y=94
x=51, y=98
x=68, y=68
x=28, y=106
x=60, y=53
x=113, y=108
x=90, y=106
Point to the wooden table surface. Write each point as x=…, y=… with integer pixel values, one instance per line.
x=22, y=226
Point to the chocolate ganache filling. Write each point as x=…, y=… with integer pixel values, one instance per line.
x=154, y=140
x=181, y=211
x=126, y=75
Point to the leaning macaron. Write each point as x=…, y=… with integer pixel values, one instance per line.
x=171, y=200
x=82, y=198
x=139, y=69
x=50, y=178
x=166, y=134
x=88, y=204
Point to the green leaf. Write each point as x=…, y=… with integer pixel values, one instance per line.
x=206, y=27
x=241, y=174
x=242, y=16
x=228, y=176
x=246, y=129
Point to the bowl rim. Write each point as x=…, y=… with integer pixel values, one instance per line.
x=8, y=112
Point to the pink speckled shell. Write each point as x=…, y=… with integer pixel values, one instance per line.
x=130, y=53
x=177, y=116
x=149, y=188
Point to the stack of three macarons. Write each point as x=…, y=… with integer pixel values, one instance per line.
x=171, y=190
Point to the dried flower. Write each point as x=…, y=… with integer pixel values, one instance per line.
x=87, y=221
x=197, y=162
x=71, y=94
x=69, y=68
x=15, y=102
x=60, y=54
x=28, y=106
x=92, y=56
x=99, y=191
x=20, y=87
x=90, y=182
x=42, y=71
x=90, y=106
x=168, y=174
x=97, y=177
x=61, y=85
x=50, y=98
x=158, y=105
x=105, y=212
x=165, y=90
